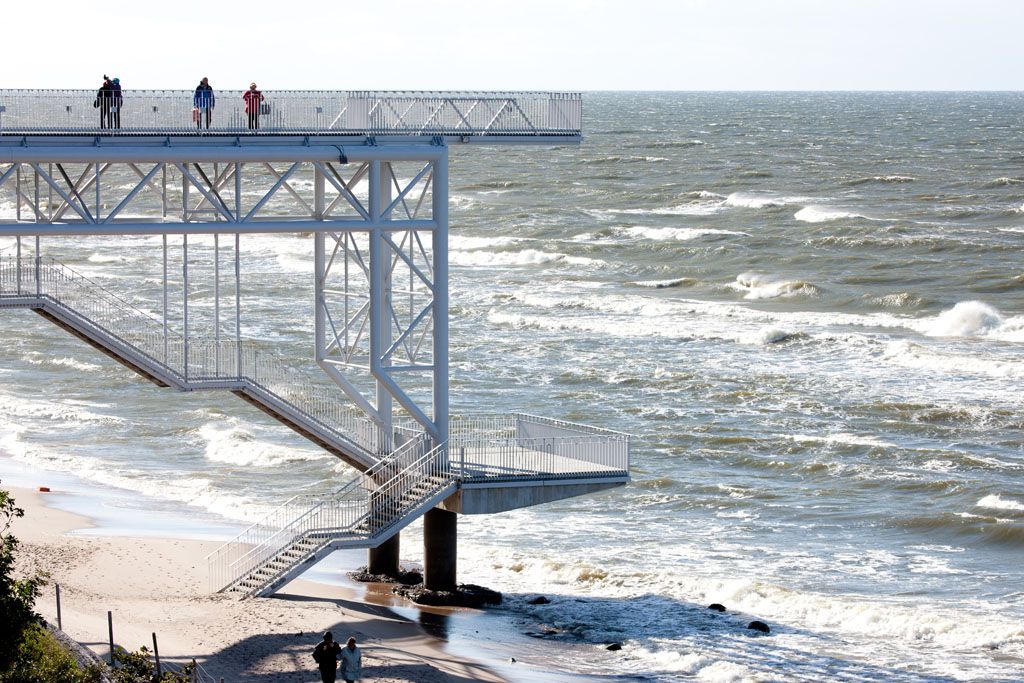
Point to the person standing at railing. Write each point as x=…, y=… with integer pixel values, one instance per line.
x=116, y=100
x=253, y=99
x=104, y=101
x=203, y=102
x=325, y=654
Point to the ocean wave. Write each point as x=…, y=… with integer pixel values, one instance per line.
x=678, y=234
x=466, y=243
x=696, y=208
x=755, y=286
x=746, y=200
x=909, y=354
x=973, y=319
x=1003, y=182
x=898, y=300
x=169, y=485
x=675, y=144
x=995, y=502
x=842, y=439
x=705, y=194
x=897, y=179
x=661, y=609
x=527, y=257
x=233, y=444
x=819, y=214
x=666, y=284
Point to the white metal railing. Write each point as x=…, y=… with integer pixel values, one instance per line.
x=195, y=362
x=364, y=112
x=361, y=510
x=273, y=523
x=508, y=446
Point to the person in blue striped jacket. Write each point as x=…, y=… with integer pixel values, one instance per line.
x=202, y=103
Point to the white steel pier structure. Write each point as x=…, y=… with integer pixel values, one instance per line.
x=365, y=174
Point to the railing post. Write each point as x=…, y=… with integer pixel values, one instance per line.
x=238, y=282
x=39, y=288
x=184, y=272
x=110, y=631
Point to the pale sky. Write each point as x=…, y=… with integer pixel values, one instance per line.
x=522, y=45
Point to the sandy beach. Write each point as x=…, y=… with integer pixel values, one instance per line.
x=159, y=585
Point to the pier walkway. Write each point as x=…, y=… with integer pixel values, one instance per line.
x=505, y=117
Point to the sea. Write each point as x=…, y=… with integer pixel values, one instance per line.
x=807, y=309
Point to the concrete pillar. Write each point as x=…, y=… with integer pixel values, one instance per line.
x=440, y=549
x=383, y=559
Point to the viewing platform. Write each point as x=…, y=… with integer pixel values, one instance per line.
x=456, y=116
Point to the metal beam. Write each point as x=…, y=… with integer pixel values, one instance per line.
x=178, y=228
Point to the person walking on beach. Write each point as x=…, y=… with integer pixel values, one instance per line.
x=104, y=98
x=115, y=102
x=325, y=654
x=351, y=662
x=203, y=102
x=253, y=99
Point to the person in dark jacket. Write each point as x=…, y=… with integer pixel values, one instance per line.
x=326, y=656
x=203, y=102
x=104, y=100
x=115, y=102
x=253, y=98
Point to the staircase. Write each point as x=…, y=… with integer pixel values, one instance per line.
x=392, y=491
x=366, y=512
x=146, y=345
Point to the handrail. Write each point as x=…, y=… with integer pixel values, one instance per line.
x=349, y=485
x=199, y=360
x=360, y=112
x=379, y=509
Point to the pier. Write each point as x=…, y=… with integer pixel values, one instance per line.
x=365, y=176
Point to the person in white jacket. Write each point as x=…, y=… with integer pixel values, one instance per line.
x=351, y=659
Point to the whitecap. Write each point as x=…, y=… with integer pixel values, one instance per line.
x=679, y=234
x=973, y=319
x=518, y=258
x=995, y=502
x=755, y=286
x=818, y=214
x=754, y=201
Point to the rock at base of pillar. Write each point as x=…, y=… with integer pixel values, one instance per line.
x=440, y=549
x=383, y=560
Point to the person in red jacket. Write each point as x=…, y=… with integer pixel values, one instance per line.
x=253, y=98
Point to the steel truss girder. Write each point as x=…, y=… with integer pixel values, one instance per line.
x=391, y=258
x=104, y=184
x=360, y=280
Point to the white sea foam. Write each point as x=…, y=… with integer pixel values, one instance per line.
x=169, y=485
x=842, y=440
x=909, y=354
x=679, y=234
x=665, y=284
x=616, y=593
x=757, y=286
x=747, y=200
x=527, y=257
x=466, y=243
x=996, y=502
x=234, y=444
x=820, y=214
x=972, y=319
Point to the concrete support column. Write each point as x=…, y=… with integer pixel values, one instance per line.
x=384, y=558
x=440, y=549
